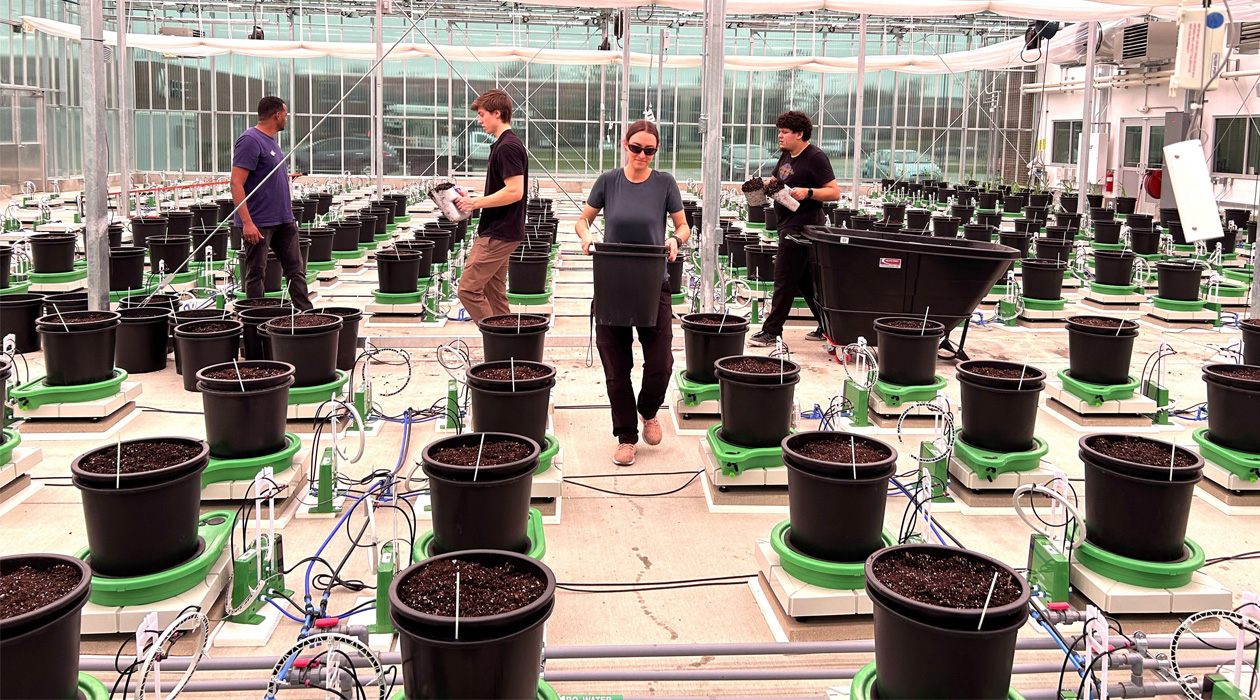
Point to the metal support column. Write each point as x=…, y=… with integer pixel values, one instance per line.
x=92, y=89
x=125, y=114
x=378, y=102
x=603, y=102
x=748, y=135
x=1087, y=122
x=857, y=123
x=625, y=82
x=450, y=109
x=714, y=73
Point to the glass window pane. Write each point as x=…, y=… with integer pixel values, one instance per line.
x=1230, y=145
x=1133, y=146
x=1155, y=151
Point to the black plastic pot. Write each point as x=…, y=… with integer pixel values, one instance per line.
x=113, y=232
x=441, y=244
x=188, y=315
x=125, y=545
x=424, y=248
x=321, y=244
x=962, y=212
x=516, y=407
x=64, y=302
x=738, y=247
x=398, y=271
x=756, y=408
x=1039, y=200
x=216, y=239
x=205, y=215
x=523, y=343
x=348, y=337
x=382, y=217
x=1027, y=226
x=6, y=257
x=1043, y=279
x=1122, y=493
x=169, y=254
x=1016, y=240
x=141, y=343
x=1069, y=202
x=245, y=417
x=705, y=343
x=1114, y=267
x=1038, y=214
x=894, y=212
x=527, y=273
x=1107, y=232
x=367, y=226
x=1180, y=281
x=484, y=507
x=628, y=283
x=863, y=222
x=126, y=268
x=226, y=206
x=945, y=227
x=255, y=345
x=1060, y=233
x=198, y=348
x=1100, y=355
x=168, y=301
x=495, y=657
x=760, y=262
x=1069, y=219
x=144, y=226
x=1053, y=249
x=987, y=200
x=674, y=269
x=1251, y=231
x=1233, y=404
x=76, y=350
x=836, y=509
x=39, y=649
x=1144, y=241
x=907, y=356
x=1013, y=202
x=1140, y=220
x=1125, y=205
x=345, y=235
x=1101, y=214
x=52, y=252
x=999, y=415
x=929, y=651
x=312, y=350
x=978, y=232
x=1250, y=339
x=273, y=273
x=178, y=222
x=918, y=219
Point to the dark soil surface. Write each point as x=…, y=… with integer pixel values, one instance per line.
x=753, y=185
x=483, y=590
x=773, y=186
x=137, y=457
x=1240, y=372
x=907, y=323
x=946, y=580
x=1139, y=451
x=80, y=317
x=756, y=365
x=245, y=373
x=25, y=588
x=1101, y=322
x=209, y=327
x=299, y=321
x=505, y=373
x=841, y=451
x=1252, y=322
x=492, y=453
x=512, y=322
x=1004, y=372
x=723, y=321
x=443, y=186
x=255, y=303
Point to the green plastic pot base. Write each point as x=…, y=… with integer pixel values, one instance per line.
x=213, y=528
x=749, y=224
x=1244, y=465
x=1108, y=246
x=198, y=265
x=1112, y=290
x=90, y=688
x=863, y=686
x=299, y=395
x=1183, y=248
x=679, y=298
x=848, y=576
x=57, y=277
x=35, y=393
x=382, y=237
x=549, y=453
x=761, y=285
x=1171, y=305
x=1152, y=257
x=990, y=465
x=1143, y=574
x=347, y=254
x=1237, y=275
x=694, y=393
x=247, y=468
x=894, y=395
x=1229, y=289
x=529, y=299
x=323, y=266
x=537, y=540
x=402, y=219
x=735, y=459
x=407, y=298
x=9, y=440
x=19, y=288
x=545, y=692
x=1097, y=394
x=1044, y=304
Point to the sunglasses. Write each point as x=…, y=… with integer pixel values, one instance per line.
x=637, y=149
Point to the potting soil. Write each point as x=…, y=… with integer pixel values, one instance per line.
x=483, y=590
x=841, y=450
x=946, y=580
x=209, y=327
x=26, y=588
x=1004, y=373
x=1252, y=322
x=299, y=321
x=1240, y=372
x=774, y=186
x=904, y=323
x=754, y=365
x=255, y=303
x=491, y=453
x=1101, y=322
x=1139, y=451
x=514, y=322
x=519, y=372
x=245, y=373
x=82, y=317
x=753, y=185
x=141, y=456
x=722, y=321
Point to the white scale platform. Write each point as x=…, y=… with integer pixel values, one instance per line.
x=60, y=287
x=20, y=462
x=98, y=619
x=1116, y=598
x=399, y=316
x=1204, y=316
x=1225, y=479
x=1124, y=413
x=1042, y=316
x=84, y=411
x=1008, y=481
x=774, y=476
x=244, y=488
x=800, y=599
x=550, y=483
x=1109, y=301
x=307, y=411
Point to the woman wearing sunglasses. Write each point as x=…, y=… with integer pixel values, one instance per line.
x=636, y=200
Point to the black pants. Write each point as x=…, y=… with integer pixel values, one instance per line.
x=616, y=352
x=791, y=279
x=284, y=240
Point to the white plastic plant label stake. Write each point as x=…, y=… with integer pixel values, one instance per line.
x=1192, y=189
x=457, y=604
x=146, y=634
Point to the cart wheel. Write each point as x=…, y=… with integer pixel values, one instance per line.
x=724, y=489
x=829, y=348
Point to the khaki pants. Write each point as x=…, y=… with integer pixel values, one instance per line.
x=483, y=286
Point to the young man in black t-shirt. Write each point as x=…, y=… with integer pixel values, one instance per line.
x=483, y=285
x=807, y=171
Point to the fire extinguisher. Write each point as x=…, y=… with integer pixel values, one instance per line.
x=1111, y=180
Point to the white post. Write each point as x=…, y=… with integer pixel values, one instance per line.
x=857, y=124
x=125, y=114
x=625, y=81
x=714, y=73
x=95, y=150
x=378, y=104
x=1087, y=122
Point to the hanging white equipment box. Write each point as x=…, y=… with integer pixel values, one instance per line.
x=1192, y=189
x=1200, y=49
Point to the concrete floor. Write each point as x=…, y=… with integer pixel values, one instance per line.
x=615, y=538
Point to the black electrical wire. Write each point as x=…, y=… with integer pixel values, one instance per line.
x=694, y=475
x=648, y=586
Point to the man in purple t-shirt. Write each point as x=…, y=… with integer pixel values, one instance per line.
x=264, y=214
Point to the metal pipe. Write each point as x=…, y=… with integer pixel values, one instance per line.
x=625, y=81
x=1087, y=112
x=859, y=99
x=95, y=150
x=378, y=103
x=125, y=114
x=711, y=157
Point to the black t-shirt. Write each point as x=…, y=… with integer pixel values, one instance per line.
x=508, y=158
x=812, y=168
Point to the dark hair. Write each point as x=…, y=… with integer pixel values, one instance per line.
x=268, y=106
x=798, y=122
x=643, y=125
x=495, y=101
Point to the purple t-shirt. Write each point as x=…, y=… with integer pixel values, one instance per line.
x=258, y=153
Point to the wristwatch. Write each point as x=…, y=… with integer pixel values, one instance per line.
x=811, y=193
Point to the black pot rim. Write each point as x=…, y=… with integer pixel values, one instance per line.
x=905, y=605
x=492, y=472
x=1128, y=327
x=1126, y=254
x=790, y=374
x=965, y=374
x=418, y=242
x=1133, y=469
x=14, y=627
x=137, y=314
x=138, y=299
x=839, y=471
x=260, y=303
x=168, y=238
x=932, y=329
x=231, y=386
x=397, y=255
x=128, y=251
x=182, y=330
x=141, y=479
x=1180, y=266
x=257, y=315
x=58, y=237
x=65, y=321
x=345, y=313
x=731, y=323
x=1212, y=373
x=522, y=330
x=331, y=326
x=520, y=385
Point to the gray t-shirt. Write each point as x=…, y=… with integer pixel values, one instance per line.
x=635, y=212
